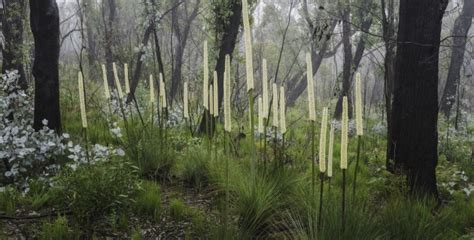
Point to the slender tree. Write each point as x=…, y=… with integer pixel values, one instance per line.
x=461, y=28
x=388, y=28
x=44, y=21
x=352, y=60
x=413, y=139
x=182, y=35
x=109, y=36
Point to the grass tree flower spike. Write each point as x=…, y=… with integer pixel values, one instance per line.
x=265, y=89
x=185, y=101
x=358, y=106
x=330, y=151
x=260, y=115
x=205, y=82
x=248, y=45
x=322, y=141
x=309, y=77
x=82, y=100
x=275, y=106
x=106, y=82
x=216, y=95
x=162, y=92
x=282, y=110
x=118, y=85
x=127, y=81
x=344, y=133
x=152, y=90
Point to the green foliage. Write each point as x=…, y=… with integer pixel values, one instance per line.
x=148, y=201
x=57, y=230
x=178, y=210
x=193, y=167
x=97, y=191
x=9, y=200
x=150, y=150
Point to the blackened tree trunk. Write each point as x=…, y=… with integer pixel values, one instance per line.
x=388, y=28
x=230, y=30
x=414, y=136
x=347, y=64
x=12, y=22
x=109, y=37
x=44, y=21
x=461, y=28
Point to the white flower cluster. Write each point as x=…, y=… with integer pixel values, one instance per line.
x=459, y=182
x=27, y=153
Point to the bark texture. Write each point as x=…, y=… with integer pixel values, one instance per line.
x=44, y=21
x=12, y=28
x=413, y=140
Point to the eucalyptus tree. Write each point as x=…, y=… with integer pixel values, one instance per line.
x=413, y=138
x=44, y=22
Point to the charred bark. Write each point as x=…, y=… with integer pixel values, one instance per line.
x=109, y=38
x=413, y=140
x=44, y=21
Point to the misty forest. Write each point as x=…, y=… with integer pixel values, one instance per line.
x=237, y=119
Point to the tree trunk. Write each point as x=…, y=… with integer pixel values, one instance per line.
x=91, y=42
x=460, y=31
x=109, y=38
x=44, y=21
x=351, y=63
x=227, y=45
x=414, y=136
x=12, y=22
x=298, y=82
x=388, y=28
x=182, y=37
x=347, y=65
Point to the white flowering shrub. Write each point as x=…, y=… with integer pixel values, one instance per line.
x=26, y=153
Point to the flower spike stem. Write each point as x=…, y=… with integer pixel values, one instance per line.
x=320, y=213
x=252, y=138
x=343, y=201
x=359, y=142
x=313, y=153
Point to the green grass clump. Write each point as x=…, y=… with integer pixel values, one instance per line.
x=9, y=200
x=148, y=201
x=94, y=192
x=149, y=150
x=57, y=230
x=178, y=210
x=193, y=168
